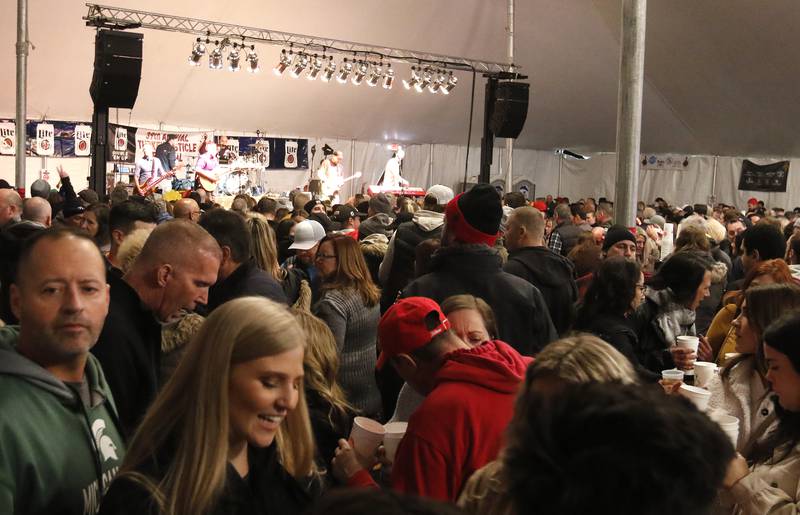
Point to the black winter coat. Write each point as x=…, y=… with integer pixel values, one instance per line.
x=267, y=489
x=522, y=316
x=246, y=280
x=553, y=275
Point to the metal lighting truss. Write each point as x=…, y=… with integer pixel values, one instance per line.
x=105, y=16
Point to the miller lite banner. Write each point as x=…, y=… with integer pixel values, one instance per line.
x=7, y=139
x=83, y=138
x=121, y=146
x=45, y=139
x=290, y=156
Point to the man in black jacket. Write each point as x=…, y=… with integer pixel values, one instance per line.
x=468, y=263
x=171, y=275
x=238, y=274
x=552, y=274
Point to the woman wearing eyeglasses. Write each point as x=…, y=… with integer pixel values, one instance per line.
x=349, y=304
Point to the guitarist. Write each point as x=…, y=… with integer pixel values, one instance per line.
x=167, y=154
x=148, y=169
x=207, y=163
x=330, y=173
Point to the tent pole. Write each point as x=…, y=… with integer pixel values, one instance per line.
x=629, y=109
x=22, y=88
x=714, y=179
x=510, y=141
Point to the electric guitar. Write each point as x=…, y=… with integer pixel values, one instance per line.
x=331, y=186
x=151, y=184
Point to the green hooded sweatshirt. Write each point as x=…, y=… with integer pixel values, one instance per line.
x=57, y=456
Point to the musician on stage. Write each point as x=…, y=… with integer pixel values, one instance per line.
x=391, y=173
x=330, y=174
x=148, y=169
x=207, y=163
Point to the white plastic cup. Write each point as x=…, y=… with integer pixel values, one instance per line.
x=688, y=342
x=395, y=431
x=672, y=376
x=730, y=426
x=367, y=435
x=704, y=372
x=697, y=395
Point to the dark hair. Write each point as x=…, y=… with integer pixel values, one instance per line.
x=577, y=210
x=700, y=209
x=569, y=451
x=125, y=214
x=230, y=230
x=196, y=197
x=266, y=206
x=766, y=239
x=795, y=246
x=423, y=254
x=378, y=500
x=611, y=292
x=514, y=199
x=431, y=203
x=102, y=213
x=782, y=335
x=283, y=229
x=683, y=273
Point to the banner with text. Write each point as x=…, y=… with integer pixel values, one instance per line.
x=665, y=162
x=770, y=177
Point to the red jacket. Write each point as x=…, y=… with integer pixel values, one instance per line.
x=459, y=426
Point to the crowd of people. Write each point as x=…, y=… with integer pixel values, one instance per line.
x=175, y=357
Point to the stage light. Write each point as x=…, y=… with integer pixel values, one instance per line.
x=300, y=63
x=233, y=60
x=437, y=84
x=375, y=75
x=315, y=68
x=425, y=82
x=360, y=73
x=451, y=83
x=413, y=81
x=344, y=71
x=330, y=69
x=284, y=63
x=215, y=58
x=198, y=51
x=388, y=78
x=252, y=60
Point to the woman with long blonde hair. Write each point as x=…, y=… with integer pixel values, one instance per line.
x=349, y=304
x=264, y=251
x=230, y=430
x=331, y=414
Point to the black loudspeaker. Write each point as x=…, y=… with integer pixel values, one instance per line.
x=510, y=109
x=117, y=68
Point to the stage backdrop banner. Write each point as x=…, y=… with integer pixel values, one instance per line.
x=665, y=162
x=770, y=177
x=82, y=140
x=186, y=146
x=7, y=138
x=45, y=139
x=121, y=143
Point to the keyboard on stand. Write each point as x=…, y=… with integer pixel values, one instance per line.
x=406, y=192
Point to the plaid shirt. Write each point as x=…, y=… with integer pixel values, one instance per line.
x=554, y=243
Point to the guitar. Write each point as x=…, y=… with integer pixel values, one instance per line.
x=209, y=180
x=150, y=185
x=332, y=186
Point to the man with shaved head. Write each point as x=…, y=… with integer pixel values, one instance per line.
x=10, y=207
x=186, y=209
x=37, y=210
x=551, y=273
x=61, y=442
x=166, y=281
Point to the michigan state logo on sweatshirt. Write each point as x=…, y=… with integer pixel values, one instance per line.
x=109, y=451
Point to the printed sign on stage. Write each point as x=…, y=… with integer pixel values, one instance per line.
x=7, y=139
x=290, y=156
x=45, y=139
x=771, y=177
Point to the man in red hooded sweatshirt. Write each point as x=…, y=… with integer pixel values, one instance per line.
x=469, y=401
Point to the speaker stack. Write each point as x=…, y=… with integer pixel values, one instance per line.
x=510, y=109
x=117, y=69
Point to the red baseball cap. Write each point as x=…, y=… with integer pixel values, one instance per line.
x=409, y=324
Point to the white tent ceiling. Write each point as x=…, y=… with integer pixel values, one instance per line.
x=720, y=74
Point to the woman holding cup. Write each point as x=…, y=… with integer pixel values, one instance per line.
x=668, y=313
x=770, y=481
x=741, y=389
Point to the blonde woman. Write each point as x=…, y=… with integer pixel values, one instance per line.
x=264, y=251
x=581, y=358
x=331, y=414
x=230, y=431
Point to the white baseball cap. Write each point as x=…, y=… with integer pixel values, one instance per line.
x=307, y=234
x=442, y=194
